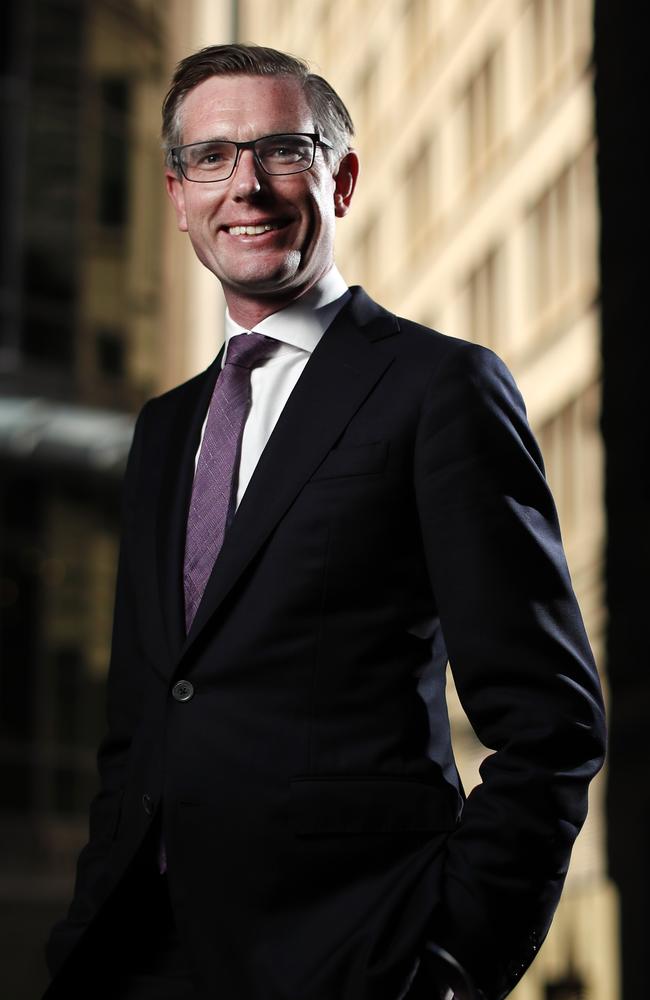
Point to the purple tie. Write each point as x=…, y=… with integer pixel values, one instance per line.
x=215, y=484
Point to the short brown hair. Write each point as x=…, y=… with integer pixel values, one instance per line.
x=331, y=117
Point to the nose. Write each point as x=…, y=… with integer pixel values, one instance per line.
x=246, y=178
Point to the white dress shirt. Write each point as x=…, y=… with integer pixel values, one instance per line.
x=298, y=327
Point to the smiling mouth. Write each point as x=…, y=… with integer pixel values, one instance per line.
x=265, y=227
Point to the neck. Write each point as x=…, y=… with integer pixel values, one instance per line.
x=248, y=310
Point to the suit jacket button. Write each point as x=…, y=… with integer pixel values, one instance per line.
x=147, y=804
x=182, y=690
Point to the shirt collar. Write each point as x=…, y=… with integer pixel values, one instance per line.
x=302, y=323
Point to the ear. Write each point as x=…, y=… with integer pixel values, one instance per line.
x=176, y=192
x=345, y=181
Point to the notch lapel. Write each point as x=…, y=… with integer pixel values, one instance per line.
x=341, y=373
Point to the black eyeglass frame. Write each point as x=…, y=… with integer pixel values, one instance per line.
x=316, y=138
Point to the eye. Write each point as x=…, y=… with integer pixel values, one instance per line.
x=285, y=150
x=209, y=155
x=213, y=157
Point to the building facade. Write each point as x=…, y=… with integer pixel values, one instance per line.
x=80, y=336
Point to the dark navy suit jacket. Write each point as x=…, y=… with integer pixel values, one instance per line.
x=316, y=830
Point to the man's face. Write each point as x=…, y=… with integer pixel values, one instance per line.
x=280, y=264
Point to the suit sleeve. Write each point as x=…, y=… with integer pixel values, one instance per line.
x=521, y=663
x=123, y=712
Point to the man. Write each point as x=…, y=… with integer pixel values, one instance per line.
x=312, y=527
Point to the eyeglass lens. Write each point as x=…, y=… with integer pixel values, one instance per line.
x=278, y=154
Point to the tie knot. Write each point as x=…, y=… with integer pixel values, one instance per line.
x=248, y=350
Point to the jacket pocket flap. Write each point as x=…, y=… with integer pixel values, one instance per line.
x=361, y=460
x=369, y=805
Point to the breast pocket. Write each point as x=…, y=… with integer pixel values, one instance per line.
x=357, y=460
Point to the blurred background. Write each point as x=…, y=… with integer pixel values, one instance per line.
x=503, y=199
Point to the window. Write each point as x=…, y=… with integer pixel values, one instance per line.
x=420, y=204
x=369, y=98
x=560, y=35
x=572, y=448
x=111, y=352
x=417, y=21
x=369, y=254
x=113, y=179
x=422, y=21
x=562, y=243
x=568, y=987
x=484, y=116
x=485, y=300
x=50, y=281
x=552, y=223
x=549, y=39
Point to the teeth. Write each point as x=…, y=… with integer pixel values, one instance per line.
x=253, y=230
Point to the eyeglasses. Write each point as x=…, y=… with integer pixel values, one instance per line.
x=216, y=159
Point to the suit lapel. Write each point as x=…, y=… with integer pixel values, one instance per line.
x=342, y=371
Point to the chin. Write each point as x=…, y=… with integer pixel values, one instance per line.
x=279, y=280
